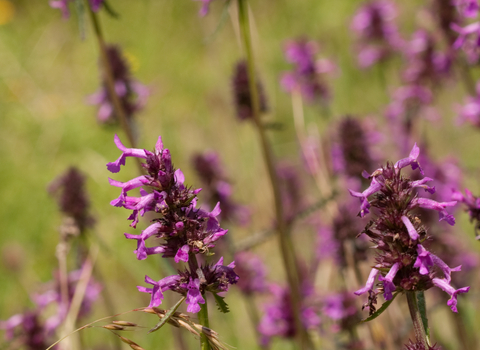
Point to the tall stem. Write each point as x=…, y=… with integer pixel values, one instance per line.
x=110, y=80
x=286, y=246
x=420, y=334
x=203, y=319
x=203, y=314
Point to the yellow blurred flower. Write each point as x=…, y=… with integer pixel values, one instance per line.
x=7, y=11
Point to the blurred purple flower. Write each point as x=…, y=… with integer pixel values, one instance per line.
x=132, y=94
x=278, y=318
x=241, y=93
x=467, y=8
x=473, y=207
x=470, y=111
x=468, y=40
x=216, y=187
x=251, y=272
x=306, y=77
x=377, y=33
x=70, y=192
x=425, y=64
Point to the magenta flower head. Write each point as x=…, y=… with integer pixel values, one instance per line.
x=132, y=94
x=307, y=74
x=377, y=33
x=241, y=93
x=180, y=230
x=402, y=262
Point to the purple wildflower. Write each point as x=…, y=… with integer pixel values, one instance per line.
x=377, y=33
x=352, y=153
x=470, y=111
x=217, y=188
x=446, y=15
x=278, y=319
x=306, y=76
x=183, y=229
x=446, y=287
x=132, y=94
x=33, y=329
x=402, y=263
x=241, y=93
x=467, y=8
x=341, y=309
x=424, y=63
x=468, y=40
x=251, y=272
x=473, y=207
x=72, y=197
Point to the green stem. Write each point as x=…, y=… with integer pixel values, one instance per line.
x=286, y=245
x=110, y=81
x=420, y=334
x=203, y=319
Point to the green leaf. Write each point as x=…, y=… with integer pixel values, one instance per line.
x=381, y=310
x=222, y=305
x=422, y=307
x=167, y=316
x=81, y=13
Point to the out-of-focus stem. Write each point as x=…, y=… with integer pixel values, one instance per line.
x=286, y=246
x=110, y=80
x=420, y=334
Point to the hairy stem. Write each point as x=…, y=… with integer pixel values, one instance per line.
x=420, y=334
x=286, y=246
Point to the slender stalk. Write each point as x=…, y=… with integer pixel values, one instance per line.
x=420, y=334
x=110, y=80
x=203, y=314
x=286, y=246
x=203, y=319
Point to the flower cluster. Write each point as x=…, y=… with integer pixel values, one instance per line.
x=241, y=93
x=33, y=328
x=402, y=262
x=181, y=230
x=132, y=94
x=307, y=74
x=377, y=33
x=63, y=6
